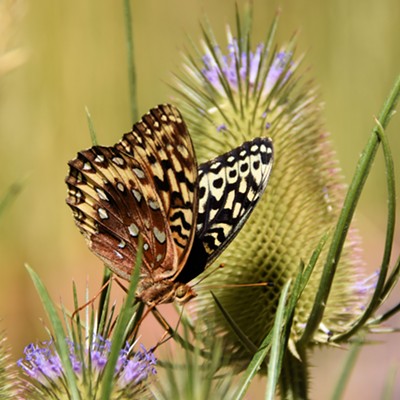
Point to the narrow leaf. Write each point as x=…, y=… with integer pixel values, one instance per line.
x=61, y=344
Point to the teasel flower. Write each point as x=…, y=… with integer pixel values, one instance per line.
x=9, y=384
x=45, y=375
x=229, y=94
x=92, y=358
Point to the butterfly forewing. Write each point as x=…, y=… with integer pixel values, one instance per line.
x=229, y=189
x=164, y=146
x=144, y=185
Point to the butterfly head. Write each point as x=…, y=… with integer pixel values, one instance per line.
x=182, y=293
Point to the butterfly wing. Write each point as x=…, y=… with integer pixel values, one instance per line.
x=144, y=185
x=229, y=188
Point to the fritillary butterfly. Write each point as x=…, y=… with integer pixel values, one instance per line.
x=149, y=185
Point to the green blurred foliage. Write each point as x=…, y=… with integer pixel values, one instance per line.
x=76, y=57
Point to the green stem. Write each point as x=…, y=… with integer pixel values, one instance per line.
x=294, y=377
x=130, y=56
x=342, y=227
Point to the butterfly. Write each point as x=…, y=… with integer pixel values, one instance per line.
x=149, y=185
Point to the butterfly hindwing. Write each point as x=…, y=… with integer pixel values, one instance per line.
x=144, y=185
x=229, y=188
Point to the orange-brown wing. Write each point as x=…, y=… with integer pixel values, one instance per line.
x=144, y=185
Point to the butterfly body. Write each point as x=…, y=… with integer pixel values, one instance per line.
x=149, y=185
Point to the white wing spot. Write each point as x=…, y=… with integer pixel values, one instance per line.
x=133, y=230
x=102, y=194
x=138, y=172
x=230, y=159
x=122, y=244
x=137, y=195
x=159, y=257
x=102, y=213
x=160, y=236
x=118, y=254
x=242, y=153
x=215, y=166
x=156, y=125
x=254, y=148
x=164, y=118
x=99, y=158
x=118, y=161
x=120, y=187
x=154, y=205
x=87, y=166
x=145, y=246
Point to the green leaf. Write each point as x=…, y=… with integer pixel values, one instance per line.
x=60, y=343
x=390, y=384
x=381, y=290
x=353, y=194
x=131, y=59
x=120, y=331
x=92, y=131
x=11, y=194
x=247, y=344
x=277, y=345
x=347, y=369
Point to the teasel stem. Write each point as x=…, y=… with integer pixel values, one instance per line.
x=294, y=376
x=346, y=215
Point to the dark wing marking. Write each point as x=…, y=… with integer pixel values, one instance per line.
x=229, y=188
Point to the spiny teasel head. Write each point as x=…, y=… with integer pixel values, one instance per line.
x=45, y=375
x=9, y=384
x=234, y=92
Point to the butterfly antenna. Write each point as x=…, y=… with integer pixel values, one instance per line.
x=238, y=285
x=233, y=285
x=209, y=273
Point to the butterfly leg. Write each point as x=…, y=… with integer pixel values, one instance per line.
x=92, y=300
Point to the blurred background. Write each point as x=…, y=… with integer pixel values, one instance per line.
x=68, y=55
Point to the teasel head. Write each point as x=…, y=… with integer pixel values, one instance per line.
x=9, y=383
x=230, y=93
x=44, y=373
x=92, y=357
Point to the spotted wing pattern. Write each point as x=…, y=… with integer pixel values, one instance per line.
x=148, y=185
x=229, y=188
x=144, y=185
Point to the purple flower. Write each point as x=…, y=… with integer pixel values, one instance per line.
x=243, y=66
x=42, y=363
x=137, y=368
